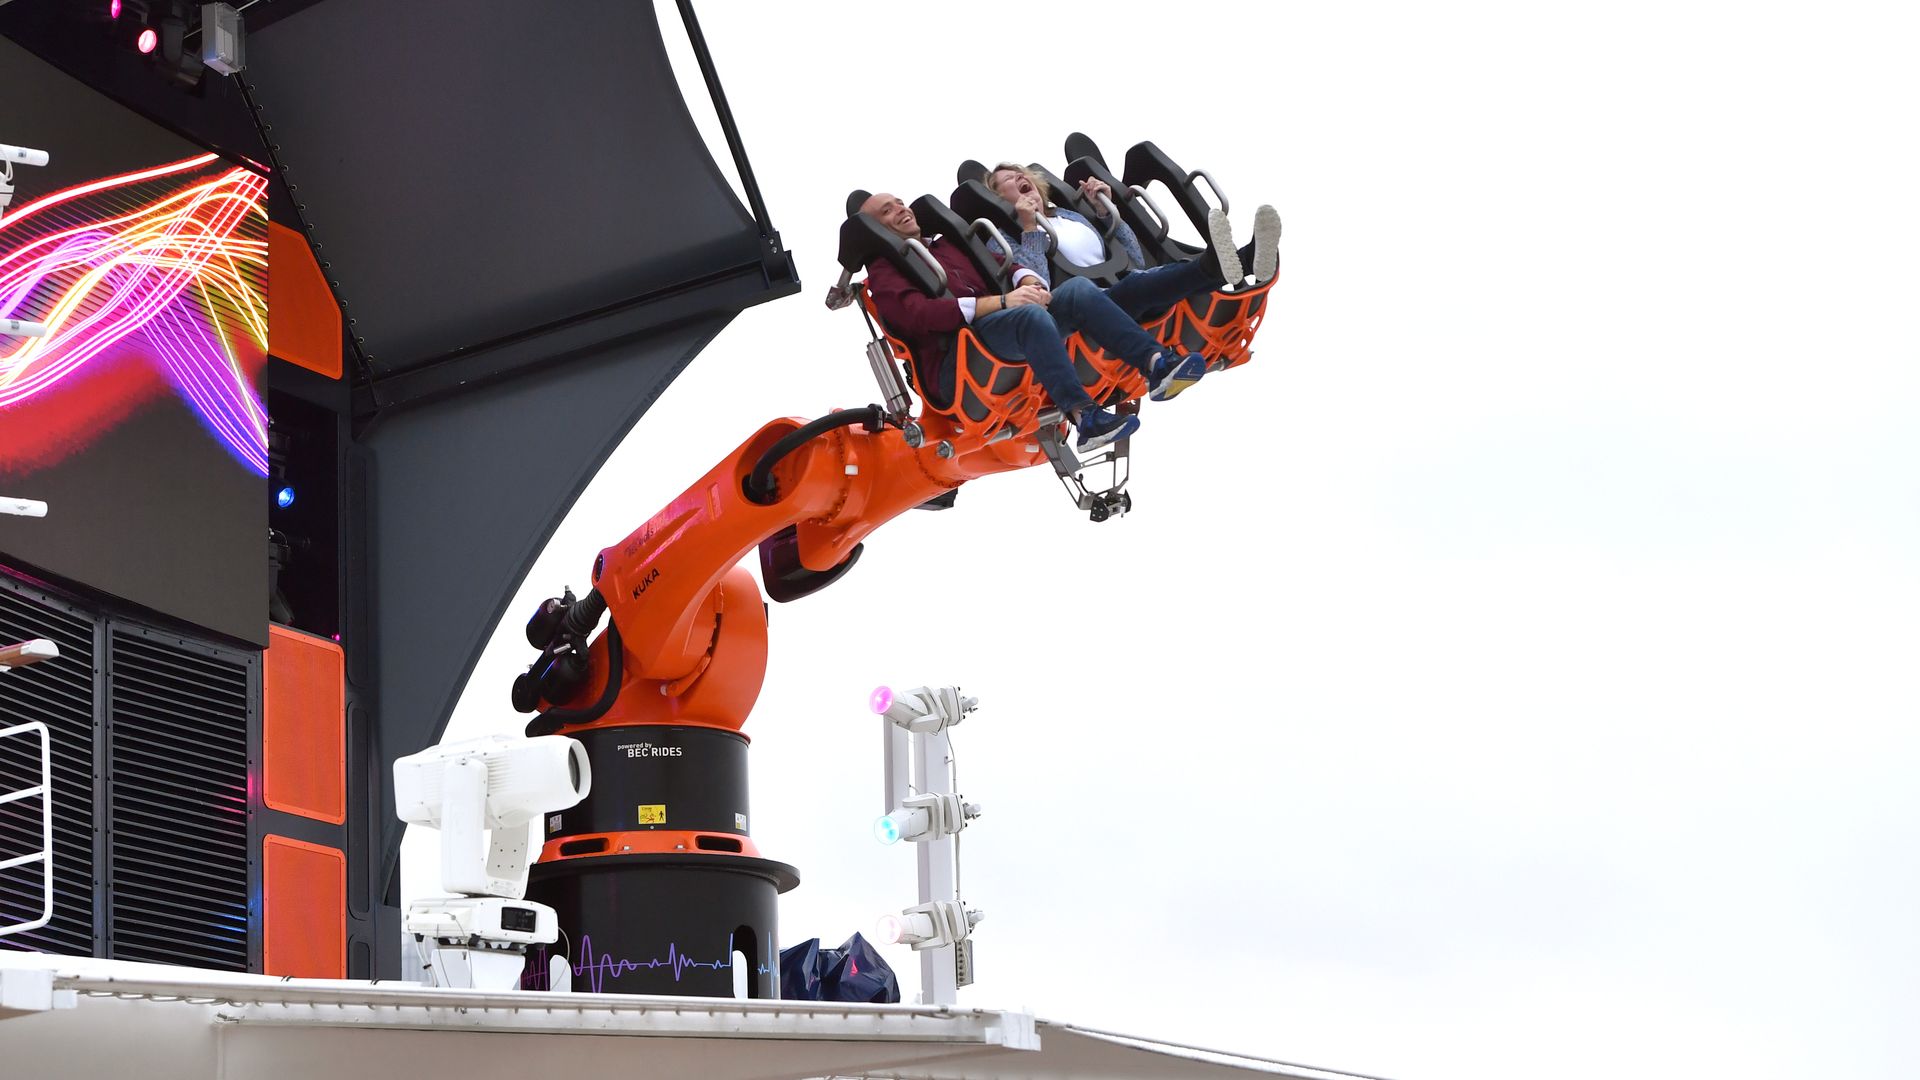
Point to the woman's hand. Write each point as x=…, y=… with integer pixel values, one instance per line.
x=1029, y=206
x=1091, y=189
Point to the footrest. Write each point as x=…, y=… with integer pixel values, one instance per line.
x=1102, y=503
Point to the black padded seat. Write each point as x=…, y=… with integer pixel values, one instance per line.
x=1067, y=196
x=938, y=219
x=1156, y=243
x=1147, y=163
x=862, y=240
x=972, y=199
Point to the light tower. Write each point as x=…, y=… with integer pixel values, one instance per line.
x=922, y=806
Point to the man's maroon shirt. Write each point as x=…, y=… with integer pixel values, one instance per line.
x=928, y=323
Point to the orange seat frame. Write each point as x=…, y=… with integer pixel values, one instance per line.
x=995, y=399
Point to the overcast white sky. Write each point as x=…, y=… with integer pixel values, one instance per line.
x=1510, y=673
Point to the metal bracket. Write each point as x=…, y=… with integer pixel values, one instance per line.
x=1101, y=504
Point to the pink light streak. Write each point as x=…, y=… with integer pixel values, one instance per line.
x=178, y=281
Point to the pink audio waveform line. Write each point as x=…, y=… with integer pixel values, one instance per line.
x=146, y=281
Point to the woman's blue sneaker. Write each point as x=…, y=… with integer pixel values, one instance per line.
x=1175, y=375
x=1098, y=427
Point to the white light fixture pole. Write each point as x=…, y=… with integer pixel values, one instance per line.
x=920, y=805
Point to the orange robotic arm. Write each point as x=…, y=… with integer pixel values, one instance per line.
x=687, y=643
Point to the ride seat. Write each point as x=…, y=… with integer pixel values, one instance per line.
x=981, y=397
x=1148, y=222
x=974, y=200
x=1147, y=163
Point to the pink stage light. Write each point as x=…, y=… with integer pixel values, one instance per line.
x=148, y=40
x=881, y=699
x=113, y=10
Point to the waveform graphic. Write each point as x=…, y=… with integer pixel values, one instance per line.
x=148, y=281
x=597, y=968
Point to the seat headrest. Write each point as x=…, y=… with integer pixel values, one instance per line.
x=1079, y=146
x=937, y=217
x=972, y=199
x=1082, y=167
x=969, y=170
x=862, y=240
x=856, y=199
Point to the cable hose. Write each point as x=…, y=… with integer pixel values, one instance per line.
x=583, y=615
x=760, y=488
x=554, y=719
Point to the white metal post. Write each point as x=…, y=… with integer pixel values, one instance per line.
x=896, y=764
x=939, y=984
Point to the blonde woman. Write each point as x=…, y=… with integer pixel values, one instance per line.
x=1145, y=291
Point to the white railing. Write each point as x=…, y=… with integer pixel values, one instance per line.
x=44, y=789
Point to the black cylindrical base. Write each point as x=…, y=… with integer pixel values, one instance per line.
x=676, y=924
x=660, y=777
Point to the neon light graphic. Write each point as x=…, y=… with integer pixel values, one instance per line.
x=148, y=282
x=598, y=968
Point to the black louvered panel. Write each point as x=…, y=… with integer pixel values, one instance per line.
x=60, y=694
x=177, y=787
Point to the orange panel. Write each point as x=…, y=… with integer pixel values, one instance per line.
x=304, y=738
x=303, y=323
x=304, y=916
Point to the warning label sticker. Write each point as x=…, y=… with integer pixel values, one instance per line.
x=740, y=822
x=653, y=814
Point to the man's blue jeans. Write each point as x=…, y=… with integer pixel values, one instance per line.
x=1036, y=336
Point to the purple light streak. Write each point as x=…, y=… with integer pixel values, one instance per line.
x=178, y=281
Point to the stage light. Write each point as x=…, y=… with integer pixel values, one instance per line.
x=923, y=709
x=223, y=39
x=284, y=497
x=480, y=794
x=925, y=817
x=148, y=40
x=113, y=10
x=479, y=791
x=23, y=507
x=928, y=926
x=27, y=652
x=891, y=929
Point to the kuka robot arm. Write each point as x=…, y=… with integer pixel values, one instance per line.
x=687, y=619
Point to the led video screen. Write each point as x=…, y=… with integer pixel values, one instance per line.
x=136, y=263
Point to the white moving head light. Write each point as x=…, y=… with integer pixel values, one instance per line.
x=923, y=709
x=27, y=652
x=925, y=817
x=23, y=507
x=498, y=782
x=468, y=790
x=20, y=155
x=929, y=926
x=9, y=157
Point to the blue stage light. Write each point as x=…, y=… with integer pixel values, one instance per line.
x=284, y=497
